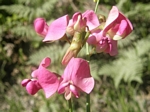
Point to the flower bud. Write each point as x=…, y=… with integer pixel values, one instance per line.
x=40, y=26
x=76, y=45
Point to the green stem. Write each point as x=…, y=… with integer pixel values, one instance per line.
x=70, y=105
x=88, y=108
x=88, y=95
x=96, y=7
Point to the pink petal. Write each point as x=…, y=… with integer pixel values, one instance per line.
x=57, y=29
x=75, y=16
x=74, y=90
x=113, y=15
x=78, y=71
x=45, y=62
x=40, y=26
x=62, y=86
x=68, y=94
x=128, y=29
x=32, y=87
x=113, y=49
x=48, y=81
x=92, y=40
x=92, y=19
x=114, y=18
x=25, y=82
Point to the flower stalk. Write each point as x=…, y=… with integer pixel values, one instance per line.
x=70, y=105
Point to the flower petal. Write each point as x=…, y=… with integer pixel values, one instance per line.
x=48, y=81
x=25, y=82
x=45, y=62
x=57, y=29
x=32, y=87
x=40, y=26
x=113, y=15
x=92, y=19
x=113, y=50
x=78, y=72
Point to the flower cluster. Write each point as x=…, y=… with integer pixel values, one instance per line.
x=76, y=78
x=100, y=33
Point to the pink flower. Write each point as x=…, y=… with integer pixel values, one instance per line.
x=55, y=31
x=76, y=78
x=117, y=25
x=80, y=21
x=103, y=43
x=42, y=79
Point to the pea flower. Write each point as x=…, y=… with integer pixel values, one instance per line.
x=55, y=31
x=76, y=78
x=42, y=79
x=80, y=21
x=117, y=25
x=103, y=43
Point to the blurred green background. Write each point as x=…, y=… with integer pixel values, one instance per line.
x=122, y=82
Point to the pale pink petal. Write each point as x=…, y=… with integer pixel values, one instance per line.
x=74, y=90
x=57, y=29
x=92, y=19
x=113, y=15
x=68, y=93
x=48, y=81
x=80, y=74
x=113, y=49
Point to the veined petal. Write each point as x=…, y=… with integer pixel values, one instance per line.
x=57, y=29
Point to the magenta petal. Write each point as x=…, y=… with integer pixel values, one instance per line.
x=91, y=40
x=45, y=62
x=62, y=86
x=92, y=19
x=25, y=82
x=75, y=16
x=48, y=81
x=57, y=29
x=32, y=87
x=40, y=26
x=79, y=72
